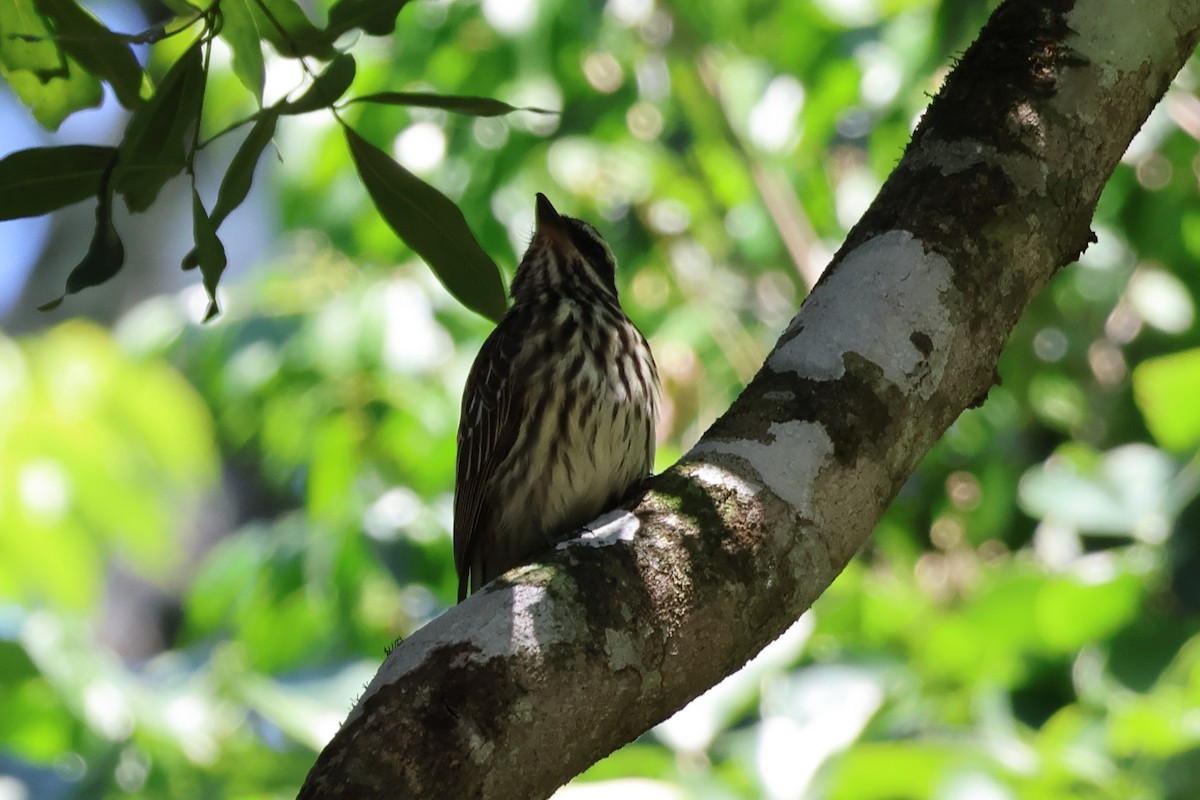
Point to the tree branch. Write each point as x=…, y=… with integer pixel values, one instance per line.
x=553, y=666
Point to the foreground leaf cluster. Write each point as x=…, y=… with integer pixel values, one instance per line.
x=55, y=54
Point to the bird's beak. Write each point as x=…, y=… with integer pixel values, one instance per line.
x=549, y=222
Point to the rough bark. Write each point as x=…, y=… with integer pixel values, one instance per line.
x=553, y=666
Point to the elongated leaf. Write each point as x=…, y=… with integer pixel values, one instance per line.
x=326, y=88
x=376, y=17
x=284, y=24
x=460, y=104
x=100, y=51
x=41, y=179
x=153, y=150
x=105, y=255
x=210, y=253
x=104, y=258
x=240, y=175
x=433, y=226
x=240, y=30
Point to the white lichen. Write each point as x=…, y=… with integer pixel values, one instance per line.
x=787, y=464
x=884, y=294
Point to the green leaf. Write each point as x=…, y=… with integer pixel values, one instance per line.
x=41, y=179
x=433, y=226
x=337, y=461
x=240, y=175
x=376, y=17
x=460, y=104
x=187, y=8
x=25, y=41
x=52, y=99
x=49, y=82
x=210, y=253
x=241, y=30
x=99, y=50
x=326, y=87
x=1166, y=389
x=284, y=24
x=153, y=150
x=105, y=255
x=1071, y=612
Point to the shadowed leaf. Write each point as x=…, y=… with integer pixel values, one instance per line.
x=376, y=17
x=105, y=254
x=433, y=226
x=153, y=150
x=326, y=88
x=238, y=178
x=41, y=179
x=210, y=253
x=460, y=104
x=284, y=24
x=240, y=175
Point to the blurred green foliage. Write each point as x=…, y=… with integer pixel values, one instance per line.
x=1023, y=624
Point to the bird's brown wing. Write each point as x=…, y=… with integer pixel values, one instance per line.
x=487, y=430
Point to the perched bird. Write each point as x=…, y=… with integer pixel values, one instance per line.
x=559, y=410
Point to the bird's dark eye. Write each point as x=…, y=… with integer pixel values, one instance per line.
x=588, y=244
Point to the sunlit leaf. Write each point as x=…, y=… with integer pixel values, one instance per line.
x=241, y=31
x=187, y=8
x=38, y=727
x=1071, y=613
x=99, y=50
x=326, y=88
x=154, y=150
x=460, y=104
x=47, y=80
x=891, y=769
x=25, y=40
x=336, y=462
x=1167, y=389
x=1154, y=726
x=433, y=226
x=41, y=179
x=53, y=97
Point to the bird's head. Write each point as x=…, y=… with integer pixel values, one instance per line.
x=566, y=255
